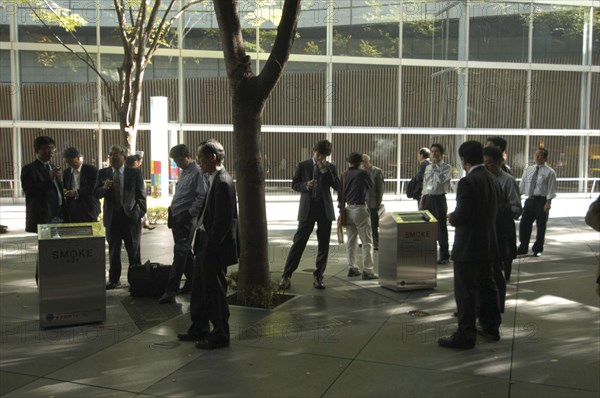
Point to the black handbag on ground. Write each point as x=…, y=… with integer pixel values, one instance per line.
x=148, y=280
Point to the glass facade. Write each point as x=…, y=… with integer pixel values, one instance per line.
x=380, y=76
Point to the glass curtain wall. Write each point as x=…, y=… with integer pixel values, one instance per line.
x=379, y=76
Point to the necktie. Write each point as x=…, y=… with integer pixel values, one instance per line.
x=314, y=193
x=533, y=181
x=117, y=189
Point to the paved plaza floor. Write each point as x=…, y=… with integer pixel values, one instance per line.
x=353, y=339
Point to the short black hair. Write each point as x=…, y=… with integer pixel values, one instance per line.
x=355, y=158
x=323, y=147
x=180, y=151
x=494, y=152
x=471, y=152
x=132, y=159
x=498, y=141
x=41, y=141
x=439, y=146
x=71, y=153
x=425, y=152
x=212, y=146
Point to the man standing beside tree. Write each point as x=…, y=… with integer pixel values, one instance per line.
x=314, y=179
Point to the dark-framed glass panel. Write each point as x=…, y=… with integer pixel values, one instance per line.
x=596, y=38
x=555, y=100
x=7, y=90
x=6, y=17
x=430, y=96
x=31, y=30
x=497, y=98
x=430, y=30
x=362, y=28
x=594, y=101
x=558, y=33
x=499, y=31
x=365, y=95
x=207, y=95
x=56, y=86
x=299, y=98
x=8, y=165
x=160, y=79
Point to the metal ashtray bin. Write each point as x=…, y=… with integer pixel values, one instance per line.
x=71, y=274
x=408, y=250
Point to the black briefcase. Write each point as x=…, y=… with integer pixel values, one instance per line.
x=148, y=280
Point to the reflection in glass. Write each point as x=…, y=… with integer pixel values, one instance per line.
x=430, y=29
x=81, y=13
x=558, y=34
x=366, y=29
x=498, y=31
x=206, y=91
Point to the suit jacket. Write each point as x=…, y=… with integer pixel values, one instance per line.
x=375, y=196
x=477, y=199
x=329, y=179
x=221, y=222
x=41, y=195
x=134, y=195
x=86, y=207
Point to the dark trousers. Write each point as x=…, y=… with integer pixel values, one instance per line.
x=208, y=302
x=183, y=260
x=476, y=294
x=500, y=281
x=316, y=214
x=122, y=229
x=374, y=211
x=533, y=211
x=438, y=206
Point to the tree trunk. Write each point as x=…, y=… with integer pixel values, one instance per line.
x=250, y=185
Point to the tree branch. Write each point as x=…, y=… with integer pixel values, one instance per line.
x=232, y=41
x=286, y=33
x=120, y=9
x=87, y=60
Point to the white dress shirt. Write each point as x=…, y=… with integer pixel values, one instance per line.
x=545, y=183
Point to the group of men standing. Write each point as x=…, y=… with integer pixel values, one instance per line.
x=204, y=207
x=487, y=203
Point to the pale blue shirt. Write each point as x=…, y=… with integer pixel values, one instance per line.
x=545, y=185
x=436, y=180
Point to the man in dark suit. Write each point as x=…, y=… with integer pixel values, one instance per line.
x=79, y=181
x=44, y=199
x=475, y=248
x=124, y=194
x=40, y=179
x=216, y=247
x=314, y=179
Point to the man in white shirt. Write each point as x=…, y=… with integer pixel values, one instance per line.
x=79, y=180
x=539, y=184
x=436, y=184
